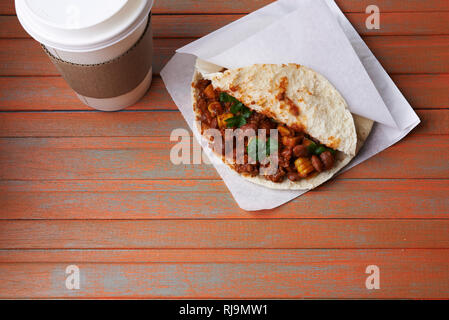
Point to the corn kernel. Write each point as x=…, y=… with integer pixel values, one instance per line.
x=291, y=141
x=213, y=107
x=283, y=131
x=209, y=92
x=304, y=166
x=222, y=119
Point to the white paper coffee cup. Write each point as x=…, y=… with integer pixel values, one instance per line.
x=103, y=48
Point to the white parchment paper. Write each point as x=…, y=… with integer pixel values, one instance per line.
x=314, y=33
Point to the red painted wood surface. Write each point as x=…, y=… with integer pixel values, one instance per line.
x=52, y=93
x=246, y=6
x=174, y=26
x=24, y=57
x=135, y=123
x=209, y=199
x=230, y=233
x=418, y=156
x=98, y=190
x=237, y=273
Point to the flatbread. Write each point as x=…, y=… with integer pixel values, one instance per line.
x=323, y=112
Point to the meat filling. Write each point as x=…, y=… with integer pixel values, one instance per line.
x=299, y=155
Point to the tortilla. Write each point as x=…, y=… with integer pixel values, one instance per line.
x=295, y=96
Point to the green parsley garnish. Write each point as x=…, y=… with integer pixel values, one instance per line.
x=318, y=149
x=224, y=97
x=236, y=121
x=240, y=111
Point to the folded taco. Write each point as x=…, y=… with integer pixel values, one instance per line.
x=292, y=114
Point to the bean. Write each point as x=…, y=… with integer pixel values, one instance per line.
x=317, y=164
x=202, y=104
x=214, y=123
x=265, y=124
x=328, y=159
x=291, y=141
x=287, y=154
x=278, y=176
x=300, y=151
x=294, y=176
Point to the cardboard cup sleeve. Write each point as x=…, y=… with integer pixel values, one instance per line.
x=111, y=78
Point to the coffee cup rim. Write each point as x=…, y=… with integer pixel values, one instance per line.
x=93, y=37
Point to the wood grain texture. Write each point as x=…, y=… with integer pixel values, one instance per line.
x=140, y=124
x=255, y=233
x=229, y=274
x=98, y=189
x=24, y=57
x=52, y=93
x=430, y=53
x=421, y=156
x=393, y=5
x=209, y=199
x=246, y=6
x=313, y=256
x=189, y=26
x=424, y=90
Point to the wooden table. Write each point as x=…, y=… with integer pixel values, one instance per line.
x=97, y=190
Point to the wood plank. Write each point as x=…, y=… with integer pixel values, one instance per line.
x=403, y=23
x=190, y=26
x=424, y=90
x=433, y=122
x=79, y=158
x=398, y=54
x=393, y=5
x=421, y=156
x=279, y=274
x=313, y=256
x=208, y=199
x=246, y=6
x=306, y=273
x=26, y=57
x=411, y=54
x=197, y=234
x=86, y=123
x=52, y=93
x=10, y=27
x=209, y=281
x=139, y=124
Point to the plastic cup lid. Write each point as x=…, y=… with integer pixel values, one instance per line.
x=81, y=25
